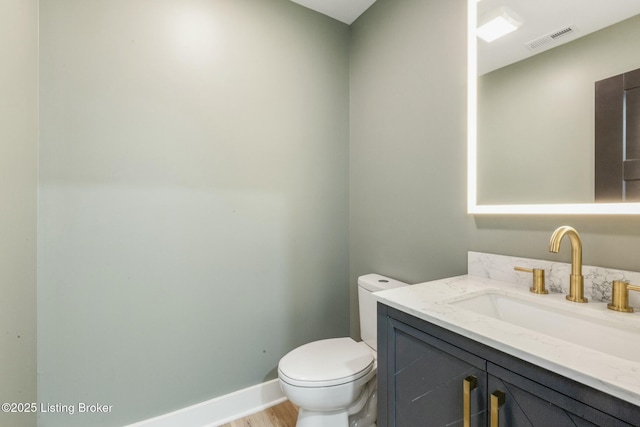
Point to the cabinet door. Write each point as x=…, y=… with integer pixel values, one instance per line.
x=429, y=378
x=529, y=404
x=617, y=138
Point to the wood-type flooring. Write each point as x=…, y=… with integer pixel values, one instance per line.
x=282, y=415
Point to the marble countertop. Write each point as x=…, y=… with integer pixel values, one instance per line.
x=430, y=301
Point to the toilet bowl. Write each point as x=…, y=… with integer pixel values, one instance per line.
x=333, y=381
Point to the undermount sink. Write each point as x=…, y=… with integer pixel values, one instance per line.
x=583, y=329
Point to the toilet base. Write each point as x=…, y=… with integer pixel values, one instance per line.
x=308, y=418
x=361, y=414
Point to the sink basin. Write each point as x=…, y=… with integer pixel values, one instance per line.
x=584, y=329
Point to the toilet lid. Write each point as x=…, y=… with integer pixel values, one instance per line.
x=325, y=363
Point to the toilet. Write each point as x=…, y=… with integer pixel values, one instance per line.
x=333, y=381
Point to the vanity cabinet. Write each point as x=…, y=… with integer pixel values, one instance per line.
x=429, y=376
x=427, y=396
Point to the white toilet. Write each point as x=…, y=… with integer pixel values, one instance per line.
x=333, y=381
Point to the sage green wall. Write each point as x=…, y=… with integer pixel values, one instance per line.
x=408, y=142
x=193, y=198
x=536, y=117
x=18, y=198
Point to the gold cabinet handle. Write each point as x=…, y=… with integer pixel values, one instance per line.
x=468, y=384
x=620, y=296
x=497, y=400
x=538, y=279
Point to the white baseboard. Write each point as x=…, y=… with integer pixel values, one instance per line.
x=221, y=410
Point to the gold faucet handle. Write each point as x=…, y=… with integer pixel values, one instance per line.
x=538, y=279
x=620, y=296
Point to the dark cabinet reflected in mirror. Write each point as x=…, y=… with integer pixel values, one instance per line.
x=617, y=138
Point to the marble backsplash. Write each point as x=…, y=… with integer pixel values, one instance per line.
x=597, y=280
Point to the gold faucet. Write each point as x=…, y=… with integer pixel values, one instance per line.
x=576, y=280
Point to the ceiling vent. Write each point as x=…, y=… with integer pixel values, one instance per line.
x=551, y=38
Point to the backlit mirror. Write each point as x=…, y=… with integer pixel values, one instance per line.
x=531, y=101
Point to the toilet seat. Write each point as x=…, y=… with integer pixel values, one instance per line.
x=326, y=363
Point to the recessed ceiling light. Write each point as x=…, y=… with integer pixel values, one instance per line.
x=499, y=23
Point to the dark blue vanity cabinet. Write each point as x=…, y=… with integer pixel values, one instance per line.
x=431, y=377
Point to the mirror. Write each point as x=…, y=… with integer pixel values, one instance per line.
x=531, y=148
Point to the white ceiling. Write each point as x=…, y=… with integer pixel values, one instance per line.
x=345, y=11
x=541, y=17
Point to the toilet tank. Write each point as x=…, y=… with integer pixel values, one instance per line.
x=367, y=285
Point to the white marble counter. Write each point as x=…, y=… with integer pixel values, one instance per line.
x=430, y=301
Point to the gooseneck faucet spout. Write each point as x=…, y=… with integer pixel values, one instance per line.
x=576, y=280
